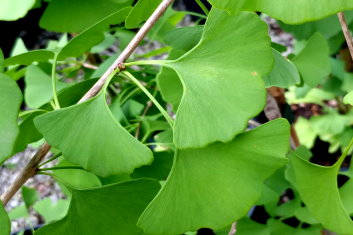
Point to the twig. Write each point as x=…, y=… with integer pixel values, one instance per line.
x=32, y=166
x=346, y=32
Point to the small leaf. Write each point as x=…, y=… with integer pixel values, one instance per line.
x=348, y=99
x=29, y=57
x=75, y=16
x=5, y=224
x=2, y=61
x=322, y=199
x=217, y=185
x=89, y=136
x=92, y=35
x=38, y=89
x=288, y=11
x=184, y=38
x=140, y=13
x=30, y=196
x=284, y=74
x=277, y=227
x=52, y=210
x=313, y=62
x=231, y=77
x=112, y=209
x=249, y=227
x=11, y=10
x=10, y=102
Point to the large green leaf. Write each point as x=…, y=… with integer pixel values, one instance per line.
x=222, y=81
x=289, y=11
x=313, y=62
x=76, y=16
x=39, y=87
x=15, y=9
x=322, y=199
x=93, y=35
x=141, y=12
x=113, y=209
x=89, y=136
x=5, y=224
x=217, y=185
x=10, y=102
x=284, y=74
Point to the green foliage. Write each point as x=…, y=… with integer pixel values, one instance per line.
x=15, y=9
x=185, y=122
x=288, y=11
x=110, y=209
x=207, y=177
x=10, y=101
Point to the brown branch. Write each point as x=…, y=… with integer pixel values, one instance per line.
x=346, y=32
x=31, y=168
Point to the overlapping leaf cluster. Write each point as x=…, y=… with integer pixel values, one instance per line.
x=114, y=148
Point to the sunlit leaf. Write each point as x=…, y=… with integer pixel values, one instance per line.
x=89, y=136
x=284, y=74
x=52, y=210
x=141, y=12
x=10, y=101
x=289, y=11
x=348, y=99
x=313, y=62
x=5, y=225
x=227, y=177
x=38, y=89
x=15, y=9
x=222, y=81
x=322, y=199
x=112, y=209
x=75, y=16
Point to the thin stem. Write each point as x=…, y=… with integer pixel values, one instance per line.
x=50, y=159
x=24, y=113
x=31, y=168
x=203, y=7
x=155, y=102
x=147, y=62
x=61, y=168
x=346, y=32
x=53, y=82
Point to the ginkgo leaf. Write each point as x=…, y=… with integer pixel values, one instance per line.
x=15, y=9
x=284, y=74
x=10, y=102
x=288, y=11
x=75, y=16
x=222, y=81
x=112, y=209
x=29, y=57
x=217, y=185
x=5, y=224
x=141, y=11
x=313, y=61
x=348, y=99
x=322, y=199
x=38, y=89
x=89, y=136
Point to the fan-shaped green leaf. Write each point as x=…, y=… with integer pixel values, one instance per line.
x=216, y=185
x=10, y=102
x=51, y=210
x=222, y=81
x=284, y=74
x=141, y=11
x=89, y=136
x=313, y=62
x=75, y=16
x=322, y=199
x=15, y=9
x=348, y=99
x=112, y=209
x=38, y=89
x=288, y=11
x=5, y=225
x=183, y=38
